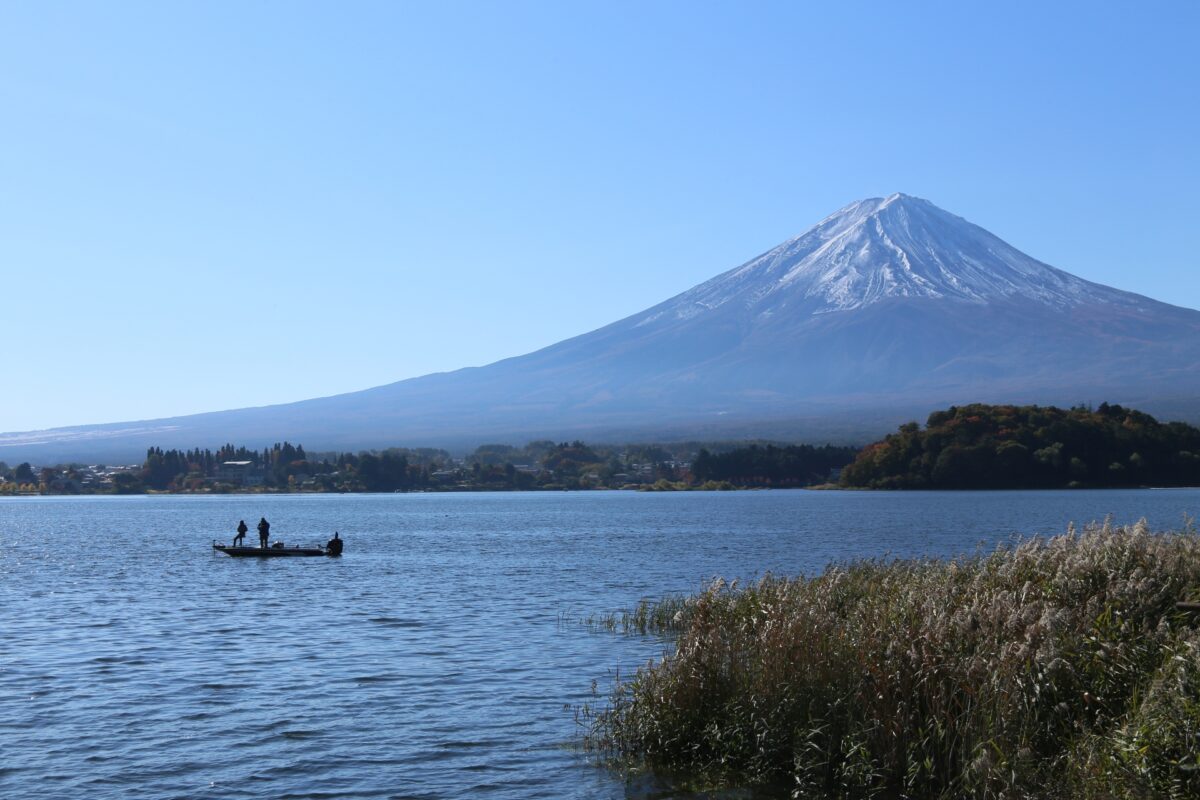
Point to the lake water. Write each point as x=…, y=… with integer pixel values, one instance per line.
x=431, y=661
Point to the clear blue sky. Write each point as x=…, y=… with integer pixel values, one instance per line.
x=214, y=205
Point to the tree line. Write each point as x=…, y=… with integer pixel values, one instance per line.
x=541, y=464
x=771, y=466
x=281, y=466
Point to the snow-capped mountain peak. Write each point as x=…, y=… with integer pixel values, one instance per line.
x=879, y=249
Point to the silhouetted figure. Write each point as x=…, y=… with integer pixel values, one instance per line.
x=239, y=540
x=334, y=545
x=264, y=532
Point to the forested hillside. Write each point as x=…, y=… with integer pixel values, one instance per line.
x=1024, y=447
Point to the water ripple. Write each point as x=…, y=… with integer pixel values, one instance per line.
x=430, y=661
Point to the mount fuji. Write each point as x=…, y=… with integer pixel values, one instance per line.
x=879, y=313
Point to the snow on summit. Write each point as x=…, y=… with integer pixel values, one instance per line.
x=883, y=248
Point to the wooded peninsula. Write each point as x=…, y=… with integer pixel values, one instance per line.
x=1031, y=447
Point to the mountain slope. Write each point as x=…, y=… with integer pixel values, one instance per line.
x=878, y=312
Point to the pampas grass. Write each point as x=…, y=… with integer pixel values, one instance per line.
x=1055, y=667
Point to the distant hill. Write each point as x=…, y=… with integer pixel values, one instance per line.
x=1030, y=447
x=880, y=312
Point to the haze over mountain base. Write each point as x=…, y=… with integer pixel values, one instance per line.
x=882, y=312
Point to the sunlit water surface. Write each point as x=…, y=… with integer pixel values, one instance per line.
x=436, y=659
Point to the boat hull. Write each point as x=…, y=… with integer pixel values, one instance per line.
x=270, y=552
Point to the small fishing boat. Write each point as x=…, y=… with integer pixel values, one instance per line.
x=274, y=551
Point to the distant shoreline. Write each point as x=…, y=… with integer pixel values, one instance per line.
x=826, y=487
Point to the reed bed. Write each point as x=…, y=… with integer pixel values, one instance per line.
x=664, y=616
x=1054, y=667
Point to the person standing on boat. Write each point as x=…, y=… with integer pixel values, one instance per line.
x=264, y=532
x=239, y=540
x=334, y=546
